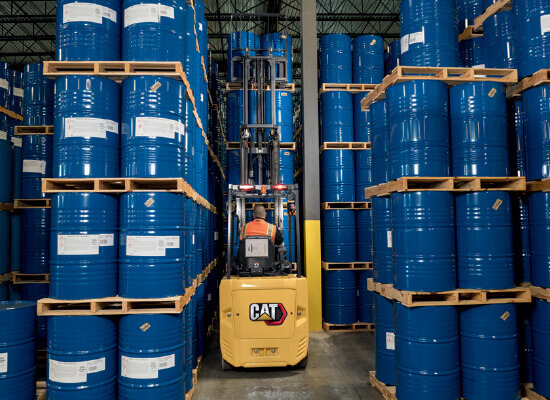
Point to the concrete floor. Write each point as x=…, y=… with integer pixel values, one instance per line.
x=338, y=368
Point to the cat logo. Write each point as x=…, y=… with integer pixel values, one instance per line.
x=271, y=313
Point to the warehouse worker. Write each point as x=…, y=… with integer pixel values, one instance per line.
x=259, y=227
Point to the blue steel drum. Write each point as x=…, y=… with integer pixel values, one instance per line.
x=287, y=167
x=533, y=32
x=37, y=96
x=237, y=42
x=520, y=221
x=484, y=240
x=429, y=33
x=423, y=241
x=283, y=113
x=499, y=34
x=489, y=352
x=4, y=84
x=365, y=298
x=4, y=291
x=82, y=358
x=536, y=125
x=35, y=292
x=393, y=56
x=385, y=339
x=539, y=237
x=35, y=243
x=194, y=361
x=15, y=292
x=151, y=357
x=83, y=246
x=335, y=61
x=363, y=173
x=16, y=91
x=525, y=342
x=282, y=47
x=291, y=251
x=235, y=104
x=337, y=117
x=427, y=353
x=517, y=138
x=5, y=248
x=380, y=136
x=339, y=297
x=201, y=320
x=368, y=59
x=382, y=240
x=337, y=175
x=541, y=347
x=88, y=31
x=472, y=52
x=18, y=347
x=188, y=236
x=15, y=236
x=363, y=235
x=188, y=351
x=17, y=153
x=153, y=32
x=37, y=164
x=152, y=245
x=153, y=130
x=467, y=11
x=86, y=131
x=338, y=236
x=6, y=170
x=362, y=127
x=418, y=126
x=479, y=129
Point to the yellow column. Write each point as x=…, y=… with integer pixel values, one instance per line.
x=312, y=258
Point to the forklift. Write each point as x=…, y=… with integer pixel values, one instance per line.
x=263, y=302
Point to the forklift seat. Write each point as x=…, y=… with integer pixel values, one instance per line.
x=256, y=256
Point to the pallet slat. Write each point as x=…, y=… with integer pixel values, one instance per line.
x=345, y=146
x=498, y=6
x=11, y=114
x=357, y=265
x=19, y=204
x=346, y=87
x=469, y=33
x=356, y=205
x=356, y=327
x=33, y=130
x=284, y=145
x=541, y=77
x=20, y=279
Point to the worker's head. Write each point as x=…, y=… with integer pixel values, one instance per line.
x=259, y=211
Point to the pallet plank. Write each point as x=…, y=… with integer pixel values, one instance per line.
x=356, y=327
x=355, y=205
x=541, y=77
x=498, y=6
x=283, y=145
x=347, y=87
x=469, y=33
x=345, y=146
x=19, y=279
x=11, y=114
x=19, y=204
x=357, y=265
x=33, y=130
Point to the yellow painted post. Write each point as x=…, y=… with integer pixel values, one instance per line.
x=312, y=258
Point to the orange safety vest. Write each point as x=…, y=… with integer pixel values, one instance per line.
x=258, y=227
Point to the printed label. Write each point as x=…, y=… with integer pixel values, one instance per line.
x=479, y=66
x=145, y=368
x=18, y=92
x=417, y=37
x=154, y=87
x=389, y=239
x=200, y=26
x=3, y=362
x=150, y=246
x=158, y=127
x=145, y=326
x=373, y=42
x=34, y=166
x=497, y=204
x=284, y=94
x=87, y=12
x=149, y=202
x=89, y=127
x=75, y=245
x=215, y=235
x=18, y=142
x=74, y=372
x=390, y=341
x=505, y=316
x=404, y=44
x=4, y=84
x=106, y=239
x=146, y=13
x=166, y=11
x=193, y=238
x=544, y=24
x=492, y=92
x=3, y=135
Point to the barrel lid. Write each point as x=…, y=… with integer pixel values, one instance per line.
x=16, y=304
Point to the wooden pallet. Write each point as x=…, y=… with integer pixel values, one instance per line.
x=495, y=8
x=541, y=77
x=355, y=205
x=11, y=114
x=540, y=292
x=532, y=395
x=6, y=206
x=6, y=277
x=33, y=130
x=345, y=146
x=357, y=265
x=470, y=33
x=229, y=86
x=284, y=145
x=450, y=76
x=19, y=204
x=539, y=186
x=356, y=327
x=388, y=392
x=22, y=279
x=448, y=184
x=347, y=87
x=378, y=287
x=41, y=390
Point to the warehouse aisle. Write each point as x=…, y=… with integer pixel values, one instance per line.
x=338, y=368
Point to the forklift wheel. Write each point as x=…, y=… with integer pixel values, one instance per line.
x=226, y=366
x=302, y=364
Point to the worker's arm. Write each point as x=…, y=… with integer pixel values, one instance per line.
x=278, y=237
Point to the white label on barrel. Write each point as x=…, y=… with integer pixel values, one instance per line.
x=145, y=326
x=215, y=235
x=4, y=84
x=76, y=245
x=82, y=12
x=417, y=37
x=157, y=127
x=172, y=242
x=193, y=239
x=89, y=127
x=106, y=239
x=108, y=13
x=166, y=11
x=492, y=92
x=390, y=341
x=18, y=92
x=497, y=204
x=18, y=142
x=154, y=87
x=3, y=362
x=3, y=135
x=34, y=166
x=141, y=13
x=505, y=316
x=373, y=42
x=149, y=202
x=68, y=372
x=389, y=239
x=479, y=66
x=97, y=365
x=200, y=27
x=145, y=368
x=150, y=246
x=544, y=23
x=404, y=44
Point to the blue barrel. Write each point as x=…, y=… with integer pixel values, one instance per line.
x=533, y=32
x=188, y=235
x=363, y=235
x=37, y=164
x=362, y=127
x=6, y=170
x=152, y=245
x=287, y=167
x=194, y=361
x=337, y=117
x=365, y=297
x=539, y=237
x=153, y=32
x=35, y=292
x=151, y=357
x=536, y=124
x=282, y=47
x=291, y=251
x=382, y=240
x=499, y=34
x=489, y=352
x=337, y=175
x=541, y=347
x=479, y=129
x=153, y=129
x=520, y=221
x=37, y=96
x=472, y=52
x=368, y=59
x=379, y=145
x=35, y=244
x=201, y=318
x=429, y=33
x=83, y=246
x=237, y=42
x=17, y=350
x=17, y=152
x=385, y=339
x=339, y=297
x=82, y=358
x=4, y=291
x=235, y=107
x=427, y=353
x=16, y=91
x=525, y=342
x=484, y=240
x=4, y=84
x=467, y=11
x=86, y=140
x=517, y=138
x=418, y=126
x=15, y=236
x=188, y=326
x=338, y=236
x=283, y=113
x=423, y=241
x=335, y=61
x=363, y=173
x=393, y=58
x=5, y=242
x=88, y=31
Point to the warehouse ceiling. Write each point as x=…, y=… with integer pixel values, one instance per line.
x=27, y=28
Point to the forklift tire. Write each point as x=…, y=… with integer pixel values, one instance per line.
x=226, y=366
x=302, y=364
